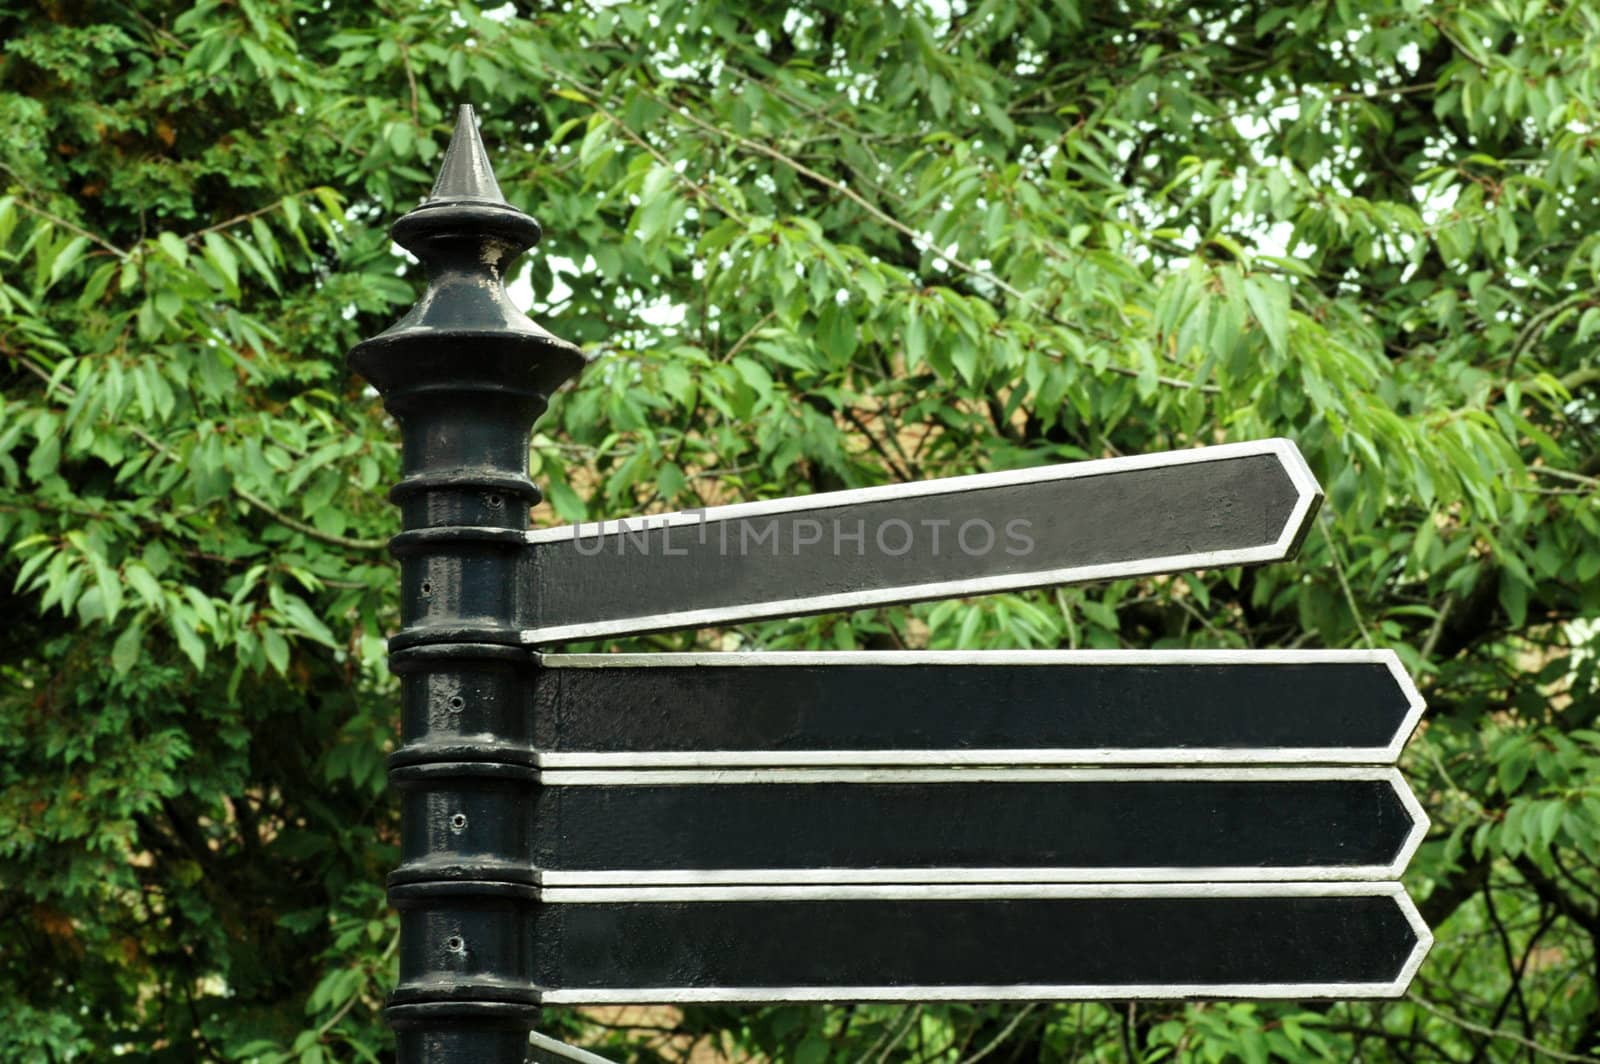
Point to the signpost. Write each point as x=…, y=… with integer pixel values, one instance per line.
x=804, y=827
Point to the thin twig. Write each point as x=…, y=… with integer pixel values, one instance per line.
x=323, y=1030
x=656, y=154
x=749, y=334
x=920, y=240
x=239, y=218
x=877, y=445
x=1457, y=45
x=1125, y=1034
x=1510, y=955
x=1397, y=90
x=72, y=227
x=1437, y=628
x=1562, y=474
x=1000, y=1038
x=893, y=1034
x=1535, y=325
x=411, y=80
x=913, y=1014
x=1494, y=1032
x=1349, y=596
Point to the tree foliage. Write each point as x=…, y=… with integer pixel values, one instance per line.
x=813, y=246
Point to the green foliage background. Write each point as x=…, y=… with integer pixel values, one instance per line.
x=814, y=246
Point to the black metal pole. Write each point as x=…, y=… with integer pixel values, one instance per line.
x=465, y=374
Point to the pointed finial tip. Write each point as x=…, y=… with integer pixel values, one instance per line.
x=465, y=173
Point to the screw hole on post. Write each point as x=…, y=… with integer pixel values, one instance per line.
x=456, y=703
x=495, y=501
x=459, y=821
x=426, y=588
x=454, y=944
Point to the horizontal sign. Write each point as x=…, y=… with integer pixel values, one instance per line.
x=622, y=828
x=731, y=944
x=973, y=707
x=1203, y=508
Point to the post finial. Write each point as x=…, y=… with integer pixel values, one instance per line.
x=465, y=173
x=466, y=236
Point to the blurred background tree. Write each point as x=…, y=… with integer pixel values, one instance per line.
x=813, y=246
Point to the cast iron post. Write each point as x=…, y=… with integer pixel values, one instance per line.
x=466, y=374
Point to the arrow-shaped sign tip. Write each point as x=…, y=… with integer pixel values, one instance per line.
x=1307, y=491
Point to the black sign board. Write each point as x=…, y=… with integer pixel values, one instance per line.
x=1068, y=942
x=1046, y=707
x=1236, y=504
x=951, y=825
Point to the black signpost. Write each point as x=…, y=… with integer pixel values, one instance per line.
x=916, y=826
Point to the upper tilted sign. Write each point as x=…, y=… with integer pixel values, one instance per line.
x=1204, y=508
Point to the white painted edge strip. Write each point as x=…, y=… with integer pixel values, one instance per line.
x=1031, y=992
x=971, y=892
x=908, y=994
x=556, y=1047
x=625, y=884
x=1288, y=454
x=1164, y=755
x=771, y=658
x=697, y=777
x=1051, y=658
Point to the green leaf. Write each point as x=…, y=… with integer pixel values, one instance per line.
x=144, y=583
x=916, y=341
x=565, y=501
x=677, y=383
x=1550, y=822
x=1513, y=767
x=188, y=640
x=307, y=623
x=220, y=255
x=125, y=651
x=44, y=459
x=813, y=1049
x=66, y=257
x=836, y=331
x=1269, y=304
x=258, y=263
x=276, y=649
x=755, y=375
x=175, y=248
